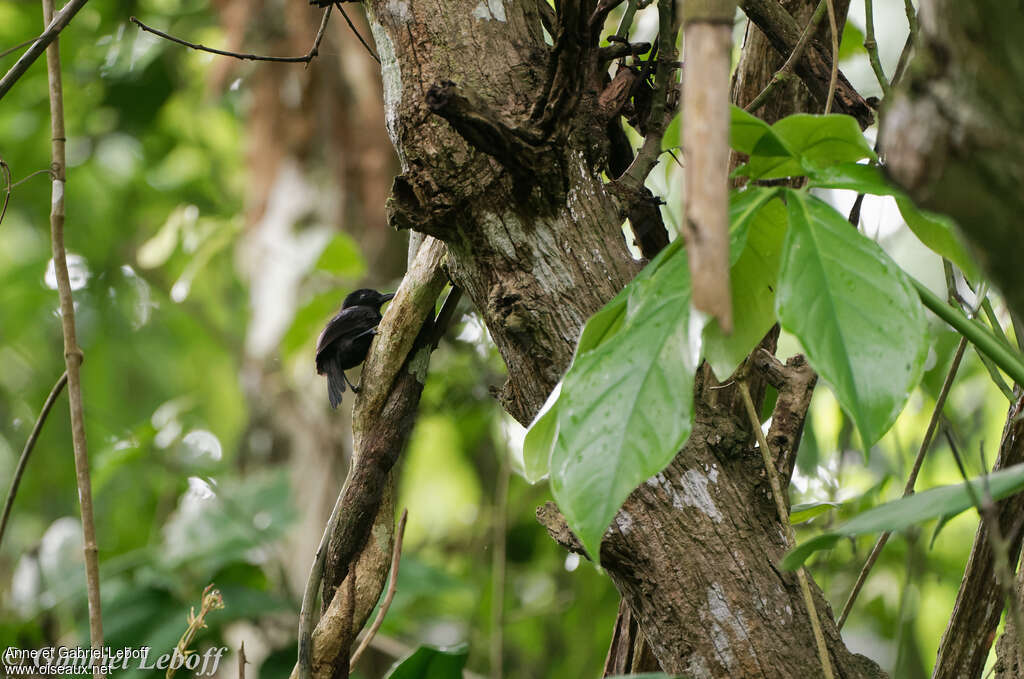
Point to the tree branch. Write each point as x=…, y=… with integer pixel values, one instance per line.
x=53, y=28
x=305, y=59
x=815, y=68
x=72, y=353
x=708, y=54
x=27, y=451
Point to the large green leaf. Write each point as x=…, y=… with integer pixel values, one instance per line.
x=428, y=662
x=813, y=142
x=939, y=234
x=757, y=228
x=626, y=404
x=914, y=509
x=746, y=130
x=853, y=177
x=540, y=438
x=935, y=231
x=855, y=312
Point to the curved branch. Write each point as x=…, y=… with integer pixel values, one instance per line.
x=27, y=451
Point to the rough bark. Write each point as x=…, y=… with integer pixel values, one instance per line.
x=953, y=134
x=502, y=142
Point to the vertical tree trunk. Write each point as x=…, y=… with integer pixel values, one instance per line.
x=501, y=156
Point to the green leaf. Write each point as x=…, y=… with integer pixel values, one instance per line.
x=855, y=312
x=341, y=257
x=808, y=510
x=813, y=142
x=852, y=42
x=939, y=234
x=746, y=130
x=758, y=227
x=914, y=509
x=853, y=177
x=626, y=405
x=429, y=662
x=540, y=438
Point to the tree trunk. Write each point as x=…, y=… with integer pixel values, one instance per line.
x=502, y=143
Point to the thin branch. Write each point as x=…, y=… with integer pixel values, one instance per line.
x=632, y=180
x=834, y=74
x=305, y=59
x=498, y=569
x=787, y=68
x=72, y=353
x=17, y=47
x=242, y=662
x=780, y=506
x=53, y=28
x=34, y=174
x=358, y=35
x=7, y=192
x=27, y=451
x=396, y=556
x=908, y=489
x=908, y=6
x=871, y=45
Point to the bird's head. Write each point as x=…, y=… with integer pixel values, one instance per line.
x=367, y=297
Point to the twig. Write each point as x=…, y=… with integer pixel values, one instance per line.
x=7, y=193
x=787, y=68
x=908, y=5
x=358, y=35
x=396, y=555
x=908, y=489
x=25, y=179
x=316, y=574
x=53, y=28
x=498, y=569
x=871, y=45
x=27, y=451
x=305, y=59
x=210, y=601
x=780, y=506
x=17, y=47
x=242, y=662
x=664, y=79
x=72, y=353
x=834, y=75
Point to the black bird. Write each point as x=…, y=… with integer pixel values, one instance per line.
x=344, y=343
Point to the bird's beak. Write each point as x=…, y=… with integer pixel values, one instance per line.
x=387, y=298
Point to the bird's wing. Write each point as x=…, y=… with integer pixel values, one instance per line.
x=348, y=324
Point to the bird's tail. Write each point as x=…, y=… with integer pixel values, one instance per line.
x=335, y=383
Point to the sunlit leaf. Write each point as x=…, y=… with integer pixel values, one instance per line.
x=855, y=312
x=626, y=405
x=808, y=510
x=813, y=142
